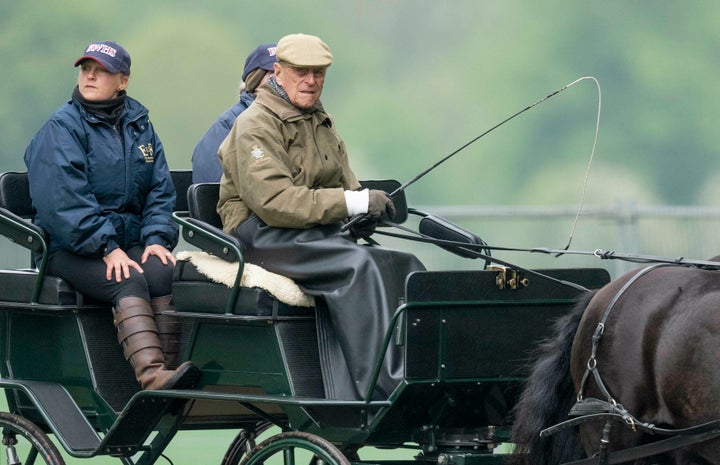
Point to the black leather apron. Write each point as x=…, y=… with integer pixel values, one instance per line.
x=361, y=286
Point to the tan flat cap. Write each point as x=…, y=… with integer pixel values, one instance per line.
x=303, y=51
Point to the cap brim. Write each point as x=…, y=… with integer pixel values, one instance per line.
x=314, y=65
x=87, y=57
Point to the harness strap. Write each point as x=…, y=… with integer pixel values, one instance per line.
x=591, y=367
x=646, y=427
x=680, y=438
x=653, y=448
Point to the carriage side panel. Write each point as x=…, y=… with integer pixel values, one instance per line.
x=468, y=340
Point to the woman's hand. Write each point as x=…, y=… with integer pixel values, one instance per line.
x=161, y=252
x=119, y=264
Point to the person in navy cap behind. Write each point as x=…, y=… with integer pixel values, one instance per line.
x=205, y=162
x=101, y=187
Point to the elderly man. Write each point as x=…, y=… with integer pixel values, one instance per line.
x=286, y=190
x=258, y=67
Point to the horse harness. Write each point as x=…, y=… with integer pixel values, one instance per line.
x=590, y=409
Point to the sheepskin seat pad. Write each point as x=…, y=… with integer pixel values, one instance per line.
x=203, y=282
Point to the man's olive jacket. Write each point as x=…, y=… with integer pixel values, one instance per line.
x=288, y=167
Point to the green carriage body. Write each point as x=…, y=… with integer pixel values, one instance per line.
x=466, y=338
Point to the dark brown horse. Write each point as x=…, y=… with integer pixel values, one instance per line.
x=657, y=353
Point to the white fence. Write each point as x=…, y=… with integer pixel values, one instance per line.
x=665, y=231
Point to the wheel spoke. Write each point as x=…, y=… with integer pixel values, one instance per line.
x=289, y=455
x=294, y=445
x=32, y=455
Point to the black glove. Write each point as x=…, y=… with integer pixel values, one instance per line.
x=363, y=228
x=380, y=205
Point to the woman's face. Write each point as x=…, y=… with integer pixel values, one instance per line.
x=96, y=83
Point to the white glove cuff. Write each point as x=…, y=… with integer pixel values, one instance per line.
x=357, y=202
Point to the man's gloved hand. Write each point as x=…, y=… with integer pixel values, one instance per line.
x=363, y=228
x=380, y=204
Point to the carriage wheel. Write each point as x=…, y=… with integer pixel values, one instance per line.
x=244, y=443
x=295, y=447
x=20, y=436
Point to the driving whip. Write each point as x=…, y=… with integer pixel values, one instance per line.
x=357, y=218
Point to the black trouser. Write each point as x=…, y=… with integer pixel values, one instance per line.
x=87, y=275
x=361, y=285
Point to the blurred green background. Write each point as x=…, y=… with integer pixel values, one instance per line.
x=415, y=79
x=412, y=81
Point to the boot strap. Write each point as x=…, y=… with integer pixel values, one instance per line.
x=123, y=312
x=129, y=327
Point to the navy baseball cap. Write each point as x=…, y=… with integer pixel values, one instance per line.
x=262, y=57
x=110, y=55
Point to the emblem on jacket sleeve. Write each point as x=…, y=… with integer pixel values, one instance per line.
x=147, y=151
x=257, y=152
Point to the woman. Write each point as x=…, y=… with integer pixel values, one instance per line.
x=102, y=191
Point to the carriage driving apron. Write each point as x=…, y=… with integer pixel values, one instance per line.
x=361, y=287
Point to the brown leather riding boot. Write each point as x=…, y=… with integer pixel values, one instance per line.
x=138, y=336
x=169, y=329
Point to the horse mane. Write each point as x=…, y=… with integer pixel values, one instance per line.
x=547, y=396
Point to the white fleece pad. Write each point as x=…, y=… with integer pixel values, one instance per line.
x=218, y=270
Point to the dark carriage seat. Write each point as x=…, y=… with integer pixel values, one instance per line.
x=27, y=285
x=32, y=285
x=182, y=179
x=195, y=292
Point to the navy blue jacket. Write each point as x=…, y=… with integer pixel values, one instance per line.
x=206, y=165
x=97, y=187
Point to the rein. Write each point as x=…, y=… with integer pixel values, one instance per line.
x=598, y=253
x=471, y=249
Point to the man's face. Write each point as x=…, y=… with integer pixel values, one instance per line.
x=303, y=85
